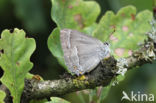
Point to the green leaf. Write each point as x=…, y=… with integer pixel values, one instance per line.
x=129, y=29
x=104, y=92
x=54, y=46
x=57, y=100
x=93, y=95
x=74, y=14
x=89, y=30
x=29, y=76
x=15, y=60
x=2, y=96
x=99, y=94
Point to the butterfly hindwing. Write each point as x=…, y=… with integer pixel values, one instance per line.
x=81, y=52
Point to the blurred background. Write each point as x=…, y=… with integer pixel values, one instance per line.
x=33, y=16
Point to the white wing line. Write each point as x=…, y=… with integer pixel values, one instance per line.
x=76, y=52
x=68, y=39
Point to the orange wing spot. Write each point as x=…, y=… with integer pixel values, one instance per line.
x=36, y=77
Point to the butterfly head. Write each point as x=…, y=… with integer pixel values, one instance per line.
x=106, y=43
x=105, y=51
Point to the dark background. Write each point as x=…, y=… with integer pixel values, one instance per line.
x=33, y=16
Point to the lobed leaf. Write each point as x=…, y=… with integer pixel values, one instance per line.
x=125, y=30
x=15, y=60
x=74, y=14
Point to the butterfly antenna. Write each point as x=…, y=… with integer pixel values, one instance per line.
x=108, y=38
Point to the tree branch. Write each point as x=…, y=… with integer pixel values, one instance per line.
x=100, y=76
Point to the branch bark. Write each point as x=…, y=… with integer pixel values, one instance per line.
x=102, y=75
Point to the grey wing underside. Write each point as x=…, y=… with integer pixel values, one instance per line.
x=80, y=51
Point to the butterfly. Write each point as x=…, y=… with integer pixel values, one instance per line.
x=82, y=53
